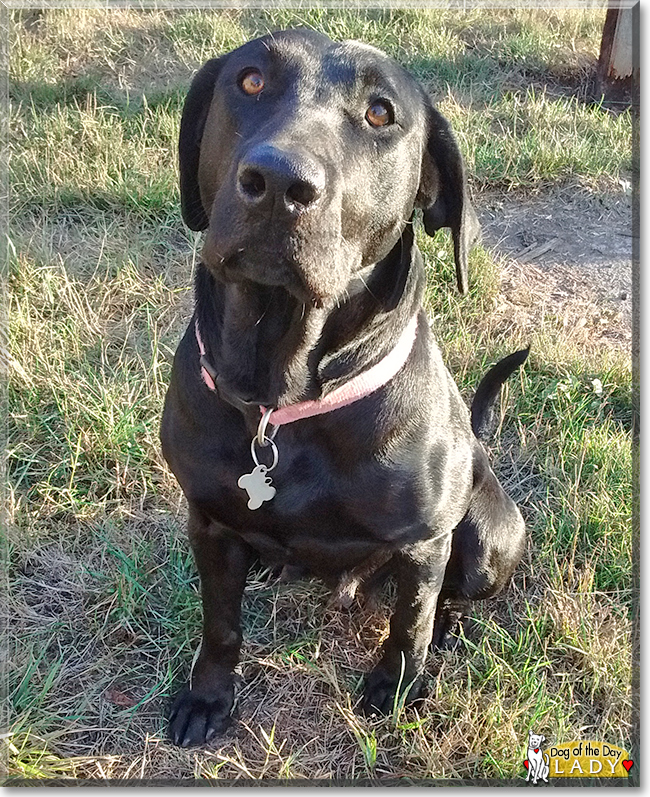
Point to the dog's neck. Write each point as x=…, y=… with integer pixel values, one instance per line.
x=268, y=348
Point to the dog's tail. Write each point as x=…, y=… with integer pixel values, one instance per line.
x=488, y=389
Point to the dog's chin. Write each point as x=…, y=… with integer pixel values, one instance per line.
x=241, y=397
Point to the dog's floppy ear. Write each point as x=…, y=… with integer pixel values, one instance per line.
x=443, y=194
x=195, y=113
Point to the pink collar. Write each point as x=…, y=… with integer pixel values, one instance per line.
x=357, y=388
x=205, y=373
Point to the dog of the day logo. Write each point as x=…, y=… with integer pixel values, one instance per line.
x=579, y=759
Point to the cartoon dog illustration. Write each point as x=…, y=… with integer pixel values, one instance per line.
x=537, y=763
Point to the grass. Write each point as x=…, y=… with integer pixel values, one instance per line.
x=102, y=594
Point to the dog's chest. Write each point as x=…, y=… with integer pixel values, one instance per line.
x=316, y=508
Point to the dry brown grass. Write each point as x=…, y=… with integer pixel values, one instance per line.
x=101, y=612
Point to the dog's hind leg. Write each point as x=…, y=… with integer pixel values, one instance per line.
x=203, y=709
x=489, y=541
x=486, y=547
x=345, y=592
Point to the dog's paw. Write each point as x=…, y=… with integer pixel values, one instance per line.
x=197, y=717
x=380, y=693
x=449, y=640
x=452, y=622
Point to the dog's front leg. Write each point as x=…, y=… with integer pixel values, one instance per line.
x=420, y=571
x=203, y=709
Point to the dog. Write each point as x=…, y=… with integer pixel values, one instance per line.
x=537, y=760
x=309, y=419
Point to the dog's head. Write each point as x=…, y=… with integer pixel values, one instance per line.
x=305, y=158
x=535, y=740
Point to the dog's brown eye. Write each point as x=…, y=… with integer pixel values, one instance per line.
x=379, y=114
x=252, y=82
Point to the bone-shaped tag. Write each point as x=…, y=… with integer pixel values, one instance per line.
x=258, y=486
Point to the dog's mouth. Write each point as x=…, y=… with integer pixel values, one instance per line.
x=311, y=274
x=270, y=271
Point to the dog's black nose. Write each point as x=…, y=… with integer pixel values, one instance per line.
x=268, y=172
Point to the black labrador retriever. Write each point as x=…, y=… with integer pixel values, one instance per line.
x=309, y=356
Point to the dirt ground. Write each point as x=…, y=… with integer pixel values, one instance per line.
x=567, y=252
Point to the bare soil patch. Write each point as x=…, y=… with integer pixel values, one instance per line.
x=566, y=253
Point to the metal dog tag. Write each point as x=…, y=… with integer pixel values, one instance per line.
x=258, y=486
x=256, y=483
